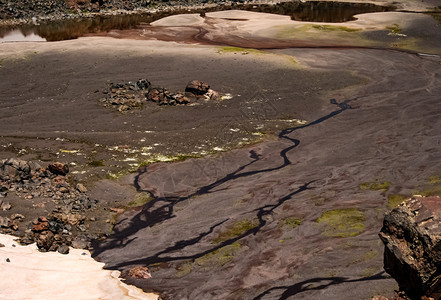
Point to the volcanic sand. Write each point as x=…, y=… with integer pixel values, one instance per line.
x=294, y=215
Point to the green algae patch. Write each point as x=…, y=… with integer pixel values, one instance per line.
x=395, y=200
x=434, y=179
x=184, y=269
x=239, y=50
x=344, y=223
x=430, y=191
x=236, y=230
x=292, y=222
x=219, y=257
x=375, y=186
x=311, y=31
x=96, y=163
x=140, y=200
x=334, y=28
x=394, y=29
x=431, y=188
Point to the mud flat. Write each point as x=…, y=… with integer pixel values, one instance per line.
x=343, y=133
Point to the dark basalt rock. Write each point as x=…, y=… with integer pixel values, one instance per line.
x=197, y=88
x=411, y=234
x=58, y=168
x=14, y=169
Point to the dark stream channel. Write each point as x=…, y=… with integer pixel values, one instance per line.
x=313, y=11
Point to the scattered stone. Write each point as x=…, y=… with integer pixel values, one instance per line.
x=4, y=222
x=81, y=188
x=59, y=227
x=212, y=95
x=19, y=217
x=411, y=234
x=63, y=249
x=3, y=192
x=80, y=242
x=5, y=205
x=2, y=245
x=14, y=169
x=140, y=272
x=41, y=224
x=45, y=241
x=197, y=88
x=58, y=168
x=8, y=260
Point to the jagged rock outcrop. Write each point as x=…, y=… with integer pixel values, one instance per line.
x=411, y=234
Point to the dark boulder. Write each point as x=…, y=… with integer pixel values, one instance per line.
x=411, y=234
x=143, y=84
x=58, y=168
x=197, y=88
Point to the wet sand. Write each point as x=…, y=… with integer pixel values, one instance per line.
x=381, y=127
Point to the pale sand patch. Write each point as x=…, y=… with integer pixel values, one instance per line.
x=30, y=274
x=180, y=20
x=269, y=25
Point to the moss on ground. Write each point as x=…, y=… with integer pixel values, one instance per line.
x=184, y=269
x=430, y=191
x=96, y=163
x=140, y=200
x=219, y=257
x=239, y=50
x=395, y=200
x=394, y=29
x=344, y=223
x=334, y=28
x=375, y=186
x=292, y=222
x=434, y=179
x=236, y=230
x=431, y=188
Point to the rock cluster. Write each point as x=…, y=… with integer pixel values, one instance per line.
x=65, y=225
x=411, y=234
x=127, y=96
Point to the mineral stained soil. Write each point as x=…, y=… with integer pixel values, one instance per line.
x=294, y=214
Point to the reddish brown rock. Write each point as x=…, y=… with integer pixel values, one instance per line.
x=157, y=95
x=411, y=234
x=58, y=168
x=40, y=225
x=197, y=88
x=140, y=272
